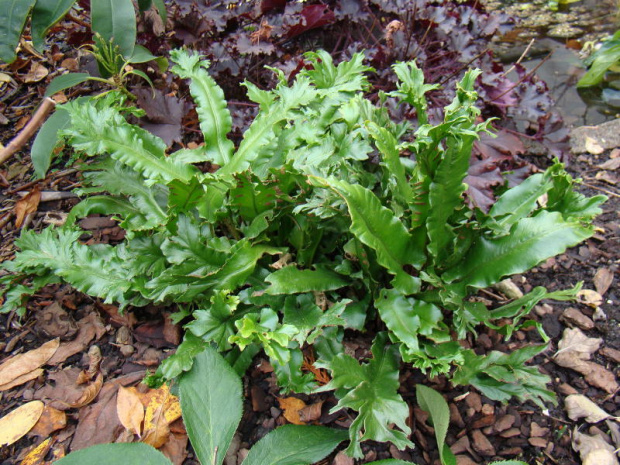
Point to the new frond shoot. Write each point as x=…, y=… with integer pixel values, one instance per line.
x=327, y=212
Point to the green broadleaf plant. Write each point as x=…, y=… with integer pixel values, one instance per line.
x=212, y=404
x=312, y=225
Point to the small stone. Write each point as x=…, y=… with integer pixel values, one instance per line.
x=487, y=420
x=462, y=445
x=567, y=389
x=455, y=416
x=538, y=431
x=509, y=289
x=574, y=317
x=464, y=460
x=511, y=451
x=473, y=401
x=481, y=443
x=488, y=409
x=611, y=354
x=544, y=309
x=510, y=433
x=538, y=442
x=504, y=422
x=342, y=459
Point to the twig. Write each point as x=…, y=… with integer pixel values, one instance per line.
x=608, y=192
x=25, y=134
x=527, y=76
x=523, y=55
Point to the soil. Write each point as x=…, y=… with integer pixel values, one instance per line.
x=481, y=430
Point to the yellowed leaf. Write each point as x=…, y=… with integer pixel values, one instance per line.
x=37, y=455
x=590, y=298
x=22, y=379
x=157, y=431
x=291, y=407
x=89, y=394
x=129, y=409
x=27, y=204
x=153, y=399
x=51, y=420
x=21, y=364
x=18, y=422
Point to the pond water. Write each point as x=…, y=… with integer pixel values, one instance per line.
x=561, y=33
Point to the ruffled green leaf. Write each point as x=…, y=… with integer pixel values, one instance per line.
x=291, y=280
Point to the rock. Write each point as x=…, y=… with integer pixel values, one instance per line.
x=342, y=459
x=510, y=433
x=567, y=389
x=611, y=354
x=607, y=135
x=538, y=442
x=481, y=443
x=473, y=401
x=464, y=460
x=462, y=445
x=509, y=289
x=538, y=431
x=504, y=422
x=574, y=317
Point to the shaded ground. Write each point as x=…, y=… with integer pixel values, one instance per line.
x=481, y=430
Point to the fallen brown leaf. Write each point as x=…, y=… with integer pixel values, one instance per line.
x=291, y=407
x=36, y=73
x=594, y=450
x=90, y=327
x=579, y=406
x=603, y=278
x=23, y=364
x=129, y=409
x=22, y=379
x=37, y=455
x=60, y=390
x=98, y=422
x=51, y=420
x=18, y=422
x=26, y=205
x=153, y=399
x=573, y=340
x=175, y=448
x=311, y=412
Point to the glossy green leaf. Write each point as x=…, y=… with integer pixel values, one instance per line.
x=161, y=9
x=45, y=14
x=106, y=454
x=603, y=60
x=179, y=362
x=371, y=389
x=215, y=119
x=115, y=20
x=15, y=14
x=291, y=280
x=432, y=402
x=378, y=228
x=391, y=462
x=531, y=240
x=65, y=81
x=295, y=445
x=211, y=398
x=45, y=142
x=217, y=322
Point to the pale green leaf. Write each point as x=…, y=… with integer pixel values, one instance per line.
x=106, y=454
x=211, y=398
x=432, y=402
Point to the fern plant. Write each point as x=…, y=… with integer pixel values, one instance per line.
x=314, y=224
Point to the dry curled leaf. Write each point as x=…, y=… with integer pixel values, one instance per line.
x=26, y=205
x=129, y=409
x=18, y=422
x=90, y=393
x=573, y=340
x=23, y=364
x=291, y=407
x=579, y=406
x=594, y=450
